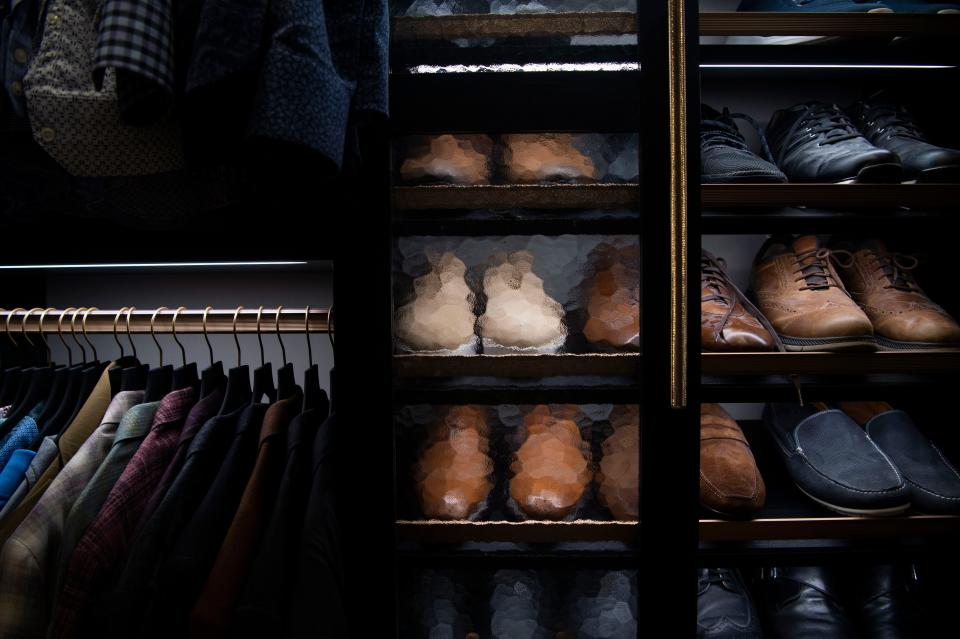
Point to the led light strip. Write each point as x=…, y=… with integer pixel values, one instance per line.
x=827, y=66
x=26, y=267
x=540, y=67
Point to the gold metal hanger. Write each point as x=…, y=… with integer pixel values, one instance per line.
x=10, y=315
x=43, y=336
x=116, y=338
x=236, y=337
x=153, y=333
x=86, y=338
x=259, y=335
x=283, y=350
x=173, y=329
x=133, y=346
x=73, y=332
x=60, y=333
x=306, y=334
x=205, y=336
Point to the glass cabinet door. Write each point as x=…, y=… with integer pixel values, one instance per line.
x=829, y=177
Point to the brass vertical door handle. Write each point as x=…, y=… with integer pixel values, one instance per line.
x=677, y=63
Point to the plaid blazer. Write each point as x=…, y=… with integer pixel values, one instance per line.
x=28, y=556
x=99, y=554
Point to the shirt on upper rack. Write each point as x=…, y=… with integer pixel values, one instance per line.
x=28, y=558
x=99, y=554
x=262, y=608
x=19, y=21
x=211, y=613
x=53, y=455
x=131, y=432
x=21, y=435
x=123, y=609
x=182, y=573
x=317, y=606
x=13, y=473
x=135, y=37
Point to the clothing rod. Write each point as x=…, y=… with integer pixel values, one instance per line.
x=219, y=320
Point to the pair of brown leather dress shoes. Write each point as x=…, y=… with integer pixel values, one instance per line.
x=728, y=321
x=820, y=298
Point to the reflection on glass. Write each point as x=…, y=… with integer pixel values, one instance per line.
x=521, y=604
x=518, y=158
x=517, y=294
x=519, y=462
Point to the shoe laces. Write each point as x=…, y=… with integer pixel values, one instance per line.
x=820, y=121
x=723, y=131
x=813, y=268
x=885, y=118
x=896, y=269
x=717, y=577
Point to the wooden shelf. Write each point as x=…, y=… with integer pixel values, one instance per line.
x=800, y=220
x=456, y=532
x=531, y=196
x=835, y=196
x=527, y=25
x=838, y=527
x=828, y=24
x=625, y=364
x=856, y=363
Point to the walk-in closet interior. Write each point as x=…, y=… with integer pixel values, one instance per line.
x=380, y=319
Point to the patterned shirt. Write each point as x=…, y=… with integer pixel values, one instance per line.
x=28, y=557
x=19, y=20
x=99, y=555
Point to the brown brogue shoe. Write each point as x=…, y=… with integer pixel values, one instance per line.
x=800, y=293
x=730, y=483
x=903, y=316
x=725, y=323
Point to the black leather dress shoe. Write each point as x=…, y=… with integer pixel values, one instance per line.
x=805, y=603
x=893, y=128
x=885, y=603
x=724, y=608
x=817, y=142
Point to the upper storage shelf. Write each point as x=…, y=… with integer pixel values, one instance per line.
x=851, y=25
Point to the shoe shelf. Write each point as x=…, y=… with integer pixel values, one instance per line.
x=530, y=196
x=528, y=25
x=828, y=24
x=517, y=222
x=569, y=389
x=456, y=532
x=820, y=363
x=735, y=221
x=517, y=366
x=861, y=387
x=835, y=527
x=833, y=196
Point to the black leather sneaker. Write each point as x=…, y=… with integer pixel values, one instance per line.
x=724, y=154
x=724, y=608
x=817, y=142
x=831, y=459
x=805, y=602
x=893, y=128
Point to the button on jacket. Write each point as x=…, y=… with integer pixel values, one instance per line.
x=53, y=455
x=28, y=558
x=99, y=554
x=262, y=608
x=225, y=583
x=317, y=608
x=123, y=608
x=77, y=125
x=181, y=575
x=132, y=430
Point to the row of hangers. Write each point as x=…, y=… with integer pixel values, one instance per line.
x=64, y=389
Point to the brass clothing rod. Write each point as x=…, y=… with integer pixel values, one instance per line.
x=219, y=320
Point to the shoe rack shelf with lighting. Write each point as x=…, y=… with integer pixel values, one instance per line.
x=534, y=532
x=842, y=196
x=820, y=363
x=829, y=527
x=744, y=220
x=523, y=365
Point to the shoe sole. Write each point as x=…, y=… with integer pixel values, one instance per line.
x=858, y=512
x=886, y=344
x=876, y=174
x=881, y=10
x=829, y=344
x=939, y=175
x=745, y=177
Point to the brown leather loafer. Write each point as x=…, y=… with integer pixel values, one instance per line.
x=800, y=293
x=447, y=159
x=730, y=483
x=530, y=158
x=903, y=316
x=725, y=323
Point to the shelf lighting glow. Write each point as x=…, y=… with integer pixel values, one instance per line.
x=26, y=267
x=541, y=67
x=827, y=66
